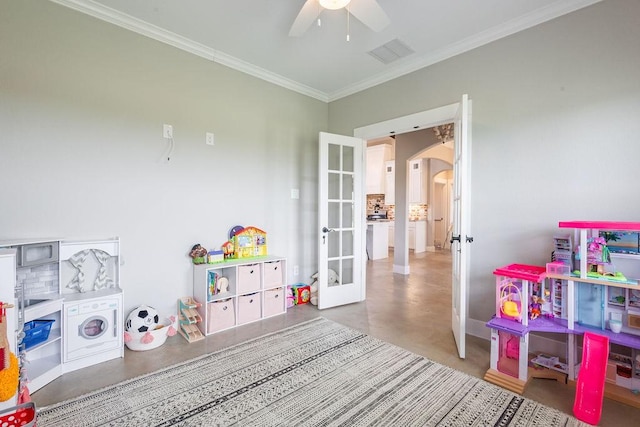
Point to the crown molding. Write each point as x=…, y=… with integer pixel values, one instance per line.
x=508, y=28
x=146, y=29
x=104, y=13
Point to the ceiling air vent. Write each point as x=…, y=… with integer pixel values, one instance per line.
x=391, y=51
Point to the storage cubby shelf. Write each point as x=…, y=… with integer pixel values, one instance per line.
x=239, y=291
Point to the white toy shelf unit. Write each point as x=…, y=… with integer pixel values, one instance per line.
x=239, y=291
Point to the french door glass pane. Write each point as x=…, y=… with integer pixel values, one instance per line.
x=333, y=245
x=333, y=217
x=334, y=186
x=346, y=275
x=334, y=157
x=347, y=159
x=347, y=243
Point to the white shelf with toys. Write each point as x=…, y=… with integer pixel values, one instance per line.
x=239, y=291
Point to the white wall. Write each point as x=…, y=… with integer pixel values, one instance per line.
x=82, y=104
x=555, y=131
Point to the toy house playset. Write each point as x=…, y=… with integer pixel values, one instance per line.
x=583, y=296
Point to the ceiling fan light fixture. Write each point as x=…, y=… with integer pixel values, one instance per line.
x=334, y=4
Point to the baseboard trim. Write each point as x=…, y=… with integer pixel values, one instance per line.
x=401, y=269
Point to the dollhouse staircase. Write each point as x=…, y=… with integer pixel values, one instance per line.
x=189, y=317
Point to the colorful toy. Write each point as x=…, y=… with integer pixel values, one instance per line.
x=198, y=254
x=4, y=342
x=189, y=317
x=153, y=338
x=302, y=294
x=217, y=285
x=516, y=284
x=510, y=300
x=9, y=369
x=143, y=330
x=535, y=307
x=142, y=319
x=245, y=242
x=228, y=250
x=215, y=257
x=587, y=406
x=291, y=296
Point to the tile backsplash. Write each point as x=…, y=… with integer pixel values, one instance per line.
x=39, y=279
x=417, y=212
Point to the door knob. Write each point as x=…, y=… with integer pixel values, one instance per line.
x=454, y=238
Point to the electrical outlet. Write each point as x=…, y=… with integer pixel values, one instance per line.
x=296, y=270
x=209, y=139
x=167, y=131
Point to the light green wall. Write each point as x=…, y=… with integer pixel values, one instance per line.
x=82, y=104
x=555, y=131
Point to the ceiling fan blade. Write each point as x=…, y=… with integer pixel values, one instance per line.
x=308, y=14
x=369, y=13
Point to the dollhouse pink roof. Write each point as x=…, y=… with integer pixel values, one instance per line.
x=601, y=225
x=532, y=273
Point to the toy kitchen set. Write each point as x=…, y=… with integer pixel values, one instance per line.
x=67, y=305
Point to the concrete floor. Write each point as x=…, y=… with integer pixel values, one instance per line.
x=411, y=311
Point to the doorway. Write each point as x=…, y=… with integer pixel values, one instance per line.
x=460, y=114
x=417, y=167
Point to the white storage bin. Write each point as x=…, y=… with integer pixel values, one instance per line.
x=248, y=308
x=248, y=278
x=273, y=301
x=221, y=315
x=272, y=274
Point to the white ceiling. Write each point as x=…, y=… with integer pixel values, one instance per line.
x=252, y=35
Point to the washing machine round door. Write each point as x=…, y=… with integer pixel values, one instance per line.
x=93, y=327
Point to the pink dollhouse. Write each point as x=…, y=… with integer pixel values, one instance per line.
x=572, y=300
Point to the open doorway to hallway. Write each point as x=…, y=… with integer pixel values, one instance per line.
x=420, y=191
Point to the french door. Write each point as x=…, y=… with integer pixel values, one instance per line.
x=341, y=232
x=461, y=238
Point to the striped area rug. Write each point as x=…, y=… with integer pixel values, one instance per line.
x=318, y=373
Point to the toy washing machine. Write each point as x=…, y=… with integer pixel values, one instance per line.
x=93, y=328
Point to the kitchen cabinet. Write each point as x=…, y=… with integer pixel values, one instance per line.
x=390, y=182
x=418, y=236
x=377, y=240
x=377, y=155
x=392, y=233
x=417, y=186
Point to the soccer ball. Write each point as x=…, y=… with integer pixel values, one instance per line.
x=142, y=319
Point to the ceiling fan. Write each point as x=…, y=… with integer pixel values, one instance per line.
x=368, y=12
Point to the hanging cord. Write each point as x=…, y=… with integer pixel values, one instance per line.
x=169, y=151
x=348, y=21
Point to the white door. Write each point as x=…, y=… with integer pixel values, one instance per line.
x=461, y=238
x=341, y=233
